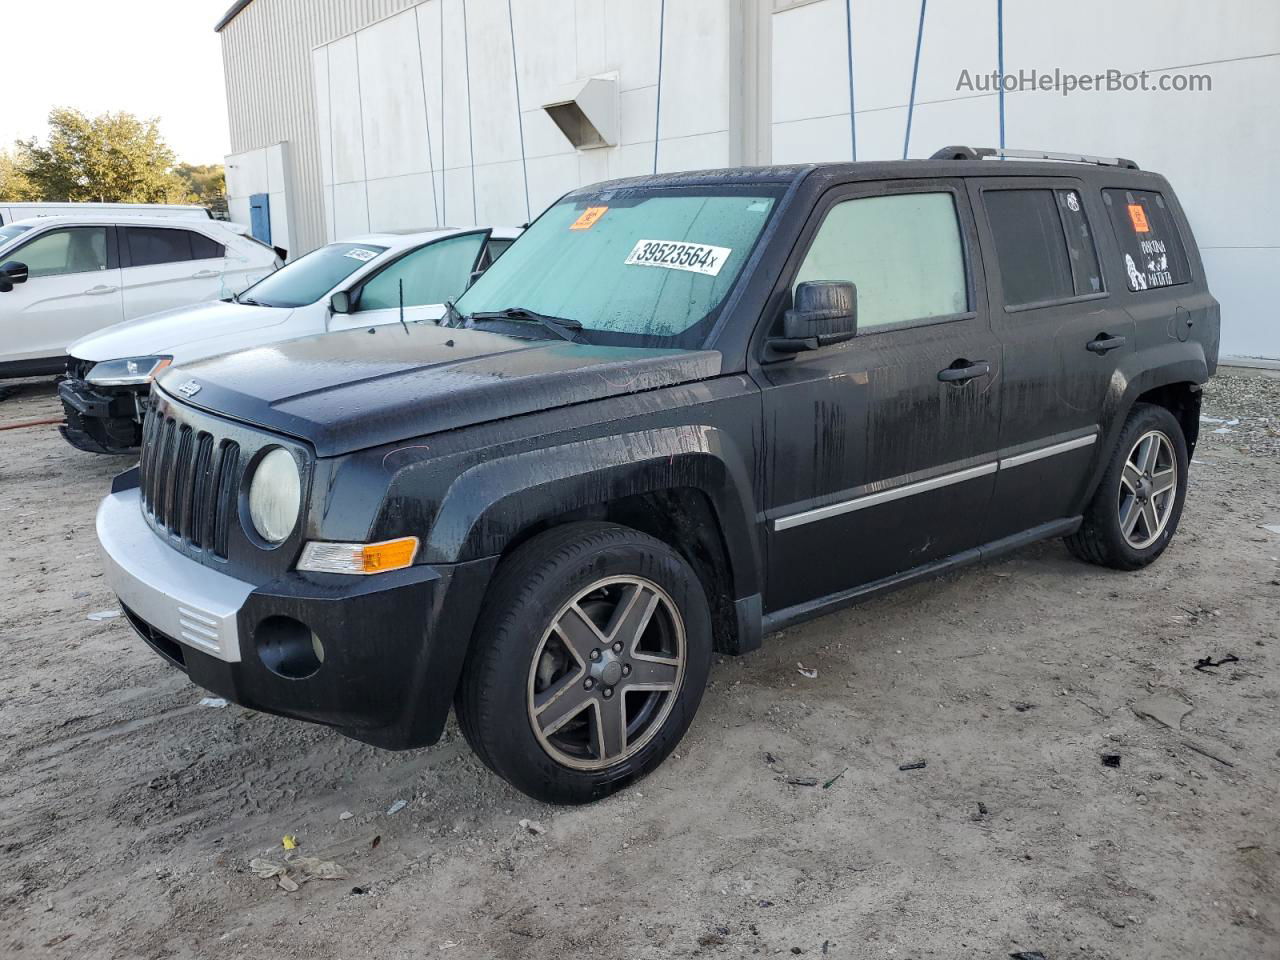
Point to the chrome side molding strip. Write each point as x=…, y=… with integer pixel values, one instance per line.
x=1033, y=455
x=884, y=496
x=933, y=483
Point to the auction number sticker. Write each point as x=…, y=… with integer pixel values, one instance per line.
x=588, y=218
x=364, y=256
x=677, y=255
x=1138, y=217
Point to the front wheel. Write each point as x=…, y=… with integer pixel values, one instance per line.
x=1135, y=510
x=588, y=663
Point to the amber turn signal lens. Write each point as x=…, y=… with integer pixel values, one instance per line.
x=359, y=558
x=390, y=555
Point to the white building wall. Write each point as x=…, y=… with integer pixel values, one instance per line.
x=399, y=147
x=372, y=98
x=1217, y=148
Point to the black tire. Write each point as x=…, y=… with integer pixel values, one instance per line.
x=1100, y=539
x=531, y=587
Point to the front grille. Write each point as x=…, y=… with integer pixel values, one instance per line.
x=189, y=482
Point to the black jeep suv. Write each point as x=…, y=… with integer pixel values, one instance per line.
x=682, y=412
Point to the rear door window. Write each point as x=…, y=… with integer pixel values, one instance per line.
x=1152, y=251
x=149, y=246
x=1031, y=248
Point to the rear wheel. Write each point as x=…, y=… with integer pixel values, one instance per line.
x=1136, y=508
x=588, y=663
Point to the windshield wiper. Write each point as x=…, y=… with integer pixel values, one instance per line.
x=562, y=327
x=248, y=301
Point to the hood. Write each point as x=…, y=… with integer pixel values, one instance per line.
x=363, y=388
x=184, y=333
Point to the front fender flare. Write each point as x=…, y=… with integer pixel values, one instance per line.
x=491, y=503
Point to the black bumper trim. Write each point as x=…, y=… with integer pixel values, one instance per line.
x=394, y=647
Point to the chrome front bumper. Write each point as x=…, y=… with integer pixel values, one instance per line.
x=187, y=601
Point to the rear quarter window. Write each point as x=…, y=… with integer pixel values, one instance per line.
x=203, y=248
x=1151, y=250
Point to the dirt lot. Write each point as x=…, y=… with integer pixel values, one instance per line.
x=129, y=812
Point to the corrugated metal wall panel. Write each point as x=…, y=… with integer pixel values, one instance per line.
x=266, y=54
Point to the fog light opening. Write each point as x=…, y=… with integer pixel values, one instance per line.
x=288, y=648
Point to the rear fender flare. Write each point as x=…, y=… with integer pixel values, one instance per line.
x=1161, y=366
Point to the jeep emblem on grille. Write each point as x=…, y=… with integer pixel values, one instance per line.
x=189, y=389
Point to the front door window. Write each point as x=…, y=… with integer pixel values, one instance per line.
x=903, y=252
x=62, y=252
x=434, y=273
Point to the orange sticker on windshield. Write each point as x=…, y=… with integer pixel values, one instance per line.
x=1139, y=218
x=588, y=218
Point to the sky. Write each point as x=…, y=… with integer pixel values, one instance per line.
x=153, y=58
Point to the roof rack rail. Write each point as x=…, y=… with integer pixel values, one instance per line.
x=984, y=153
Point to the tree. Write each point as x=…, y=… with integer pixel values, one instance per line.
x=14, y=187
x=111, y=158
x=207, y=183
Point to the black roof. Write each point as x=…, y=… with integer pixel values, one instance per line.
x=876, y=170
x=231, y=14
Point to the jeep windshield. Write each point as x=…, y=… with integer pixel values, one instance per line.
x=642, y=266
x=309, y=278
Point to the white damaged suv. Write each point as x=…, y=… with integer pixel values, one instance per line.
x=363, y=282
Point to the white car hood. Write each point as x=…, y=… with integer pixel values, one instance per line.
x=185, y=333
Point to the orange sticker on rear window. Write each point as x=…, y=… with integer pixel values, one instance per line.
x=588, y=218
x=1139, y=218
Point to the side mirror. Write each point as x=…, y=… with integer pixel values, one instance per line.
x=825, y=312
x=12, y=272
x=340, y=302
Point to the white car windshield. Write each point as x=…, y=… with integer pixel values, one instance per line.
x=309, y=278
x=638, y=266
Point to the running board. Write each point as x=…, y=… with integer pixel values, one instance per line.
x=811, y=609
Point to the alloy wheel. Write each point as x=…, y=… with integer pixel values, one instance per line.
x=606, y=673
x=1148, y=489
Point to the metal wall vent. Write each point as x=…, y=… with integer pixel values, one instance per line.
x=587, y=113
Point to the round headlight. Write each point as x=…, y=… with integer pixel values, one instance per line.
x=275, y=496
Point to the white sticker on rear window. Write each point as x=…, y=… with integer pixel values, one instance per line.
x=364, y=256
x=678, y=255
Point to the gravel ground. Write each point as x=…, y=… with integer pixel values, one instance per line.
x=129, y=812
x=1244, y=413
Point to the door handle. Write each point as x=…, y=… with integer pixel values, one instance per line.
x=99, y=290
x=962, y=371
x=206, y=274
x=1104, y=344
